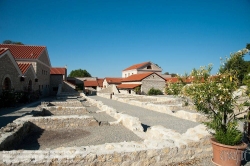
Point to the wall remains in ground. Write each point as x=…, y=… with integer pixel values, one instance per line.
x=173, y=108
x=55, y=122
x=13, y=133
x=160, y=147
x=58, y=110
x=67, y=104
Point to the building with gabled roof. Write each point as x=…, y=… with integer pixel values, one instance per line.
x=13, y=75
x=92, y=86
x=58, y=76
x=111, y=81
x=38, y=57
x=145, y=81
x=141, y=68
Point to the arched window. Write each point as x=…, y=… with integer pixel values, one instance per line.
x=149, y=67
x=30, y=86
x=7, y=84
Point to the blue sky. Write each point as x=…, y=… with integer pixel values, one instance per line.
x=106, y=36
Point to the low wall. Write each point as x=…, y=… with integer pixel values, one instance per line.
x=54, y=122
x=108, y=154
x=58, y=110
x=130, y=122
x=171, y=108
x=160, y=147
x=13, y=133
x=66, y=104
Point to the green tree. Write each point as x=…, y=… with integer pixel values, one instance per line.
x=248, y=46
x=79, y=73
x=173, y=75
x=236, y=62
x=153, y=91
x=12, y=42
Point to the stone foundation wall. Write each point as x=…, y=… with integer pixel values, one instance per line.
x=160, y=147
x=173, y=108
x=66, y=104
x=54, y=123
x=12, y=135
x=58, y=110
x=109, y=154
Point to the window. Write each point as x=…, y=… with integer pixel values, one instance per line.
x=7, y=84
x=55, y=89
x=30, y=86
x=149, y=67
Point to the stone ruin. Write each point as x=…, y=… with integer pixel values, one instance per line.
x=157, y=146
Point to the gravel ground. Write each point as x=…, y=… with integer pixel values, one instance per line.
x=102, y=116
x=89, y=135
x=149, y=118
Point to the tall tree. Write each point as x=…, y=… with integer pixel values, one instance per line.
x=79, y=73
x=236, y=62
x=248, y=46
x=12, y=42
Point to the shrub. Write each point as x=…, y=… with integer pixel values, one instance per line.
x=153, y=91
x=174, y=88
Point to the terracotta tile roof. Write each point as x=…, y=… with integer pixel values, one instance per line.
x=24, y=51
x=24, y=67
x=2, y=50
x=100, y=82
x=136, y=66
x=111, y=80
x=90, y=83
x=58, y=70
x=127, y=86
x=137, y=77
x=175, y=80
x=172, y=80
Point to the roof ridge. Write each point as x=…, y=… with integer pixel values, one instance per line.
x=23, y=45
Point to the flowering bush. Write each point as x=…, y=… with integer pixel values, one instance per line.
x=215, y=98
x=174, y=88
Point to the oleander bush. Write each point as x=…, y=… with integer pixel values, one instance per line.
x=153, y=91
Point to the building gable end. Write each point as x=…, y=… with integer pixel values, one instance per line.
x=8, y=53
x=44, y=58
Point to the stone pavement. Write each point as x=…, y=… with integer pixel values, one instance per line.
x=148, y=117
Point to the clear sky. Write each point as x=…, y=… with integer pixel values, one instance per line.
x=106, y=36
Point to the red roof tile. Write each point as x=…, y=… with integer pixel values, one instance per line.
x=24, y=51
x=2, y=50
x=172, y=80
x=136, y=66
x=100, y=82
x=24, y=67
x=176, y=79
x=58, y=71
x=136, y=77
x=111, y=80
x=127, y=86
x=90, y=83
